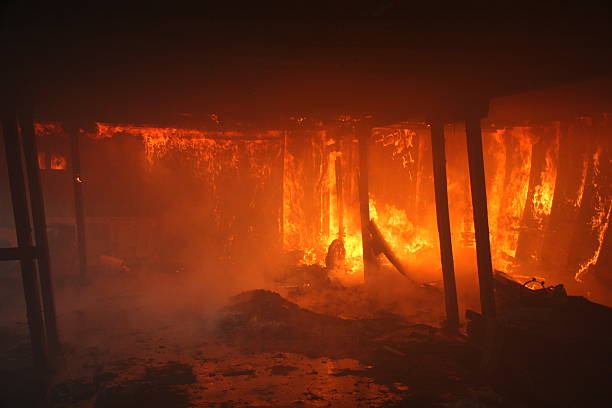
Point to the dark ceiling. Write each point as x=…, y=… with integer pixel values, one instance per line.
x=266, y=61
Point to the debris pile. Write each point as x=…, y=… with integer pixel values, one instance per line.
x=266, y=321
x=547, y=340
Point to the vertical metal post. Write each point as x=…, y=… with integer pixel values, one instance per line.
x=339, y=197
x=281, y=224
x=24, y=238
x=444, y=231
x=40, y=230
x=77, y=183
x=363, y=135
x=481, y=219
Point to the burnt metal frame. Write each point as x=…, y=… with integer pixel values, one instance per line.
x=20, y=146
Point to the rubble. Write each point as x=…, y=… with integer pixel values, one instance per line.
x=546, y=339
x=159, y=387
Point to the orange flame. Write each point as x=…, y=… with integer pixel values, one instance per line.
x=599, y=222
x=58, y=162
x=544, y=192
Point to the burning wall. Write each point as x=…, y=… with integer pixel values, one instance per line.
x=282, y=186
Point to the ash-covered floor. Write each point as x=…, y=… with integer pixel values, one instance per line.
x=155, y=339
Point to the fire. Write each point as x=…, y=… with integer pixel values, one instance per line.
x=48, y=128
x=543, y=195
x=599, y=222
x=497, y=153
x=304, y=164
x=209, y=151
x=314, y=171
x=58, y=162
x=292, y=213
x=402, y=142
x=583, y=176
x=516, y=148
x=401, y=234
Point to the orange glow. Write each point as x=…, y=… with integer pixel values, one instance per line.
x=42, y=160
x=48, y=128
x=506, y=228
x=402, y=236
x=402, y=142
x=310, y=219
x=199, y=145
x=544, y=192
x=58, y=162
x=599, y=222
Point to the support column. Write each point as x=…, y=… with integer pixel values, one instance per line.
x=77, y=183
x=339, y=197
x=444, y=231
x=481, y=219
x=363, y=135
x=24, y=239
x=281, y=215
x=40, y=230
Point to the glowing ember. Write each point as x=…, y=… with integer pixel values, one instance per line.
x=48, y=128
x=401, y=140
x=58, y=162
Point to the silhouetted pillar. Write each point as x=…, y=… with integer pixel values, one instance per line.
x=77, y=183
x=281, y=215
x=339, y=197
x=363, y=135
x=481, y=219
x=444, y=231
x=24, y=238
x=40, y=230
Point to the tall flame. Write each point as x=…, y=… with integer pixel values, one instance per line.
x=599, y=222
x=543, y=195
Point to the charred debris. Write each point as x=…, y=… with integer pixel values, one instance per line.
x=303, y=213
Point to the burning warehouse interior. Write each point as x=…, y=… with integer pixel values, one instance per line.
x=323, y=204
